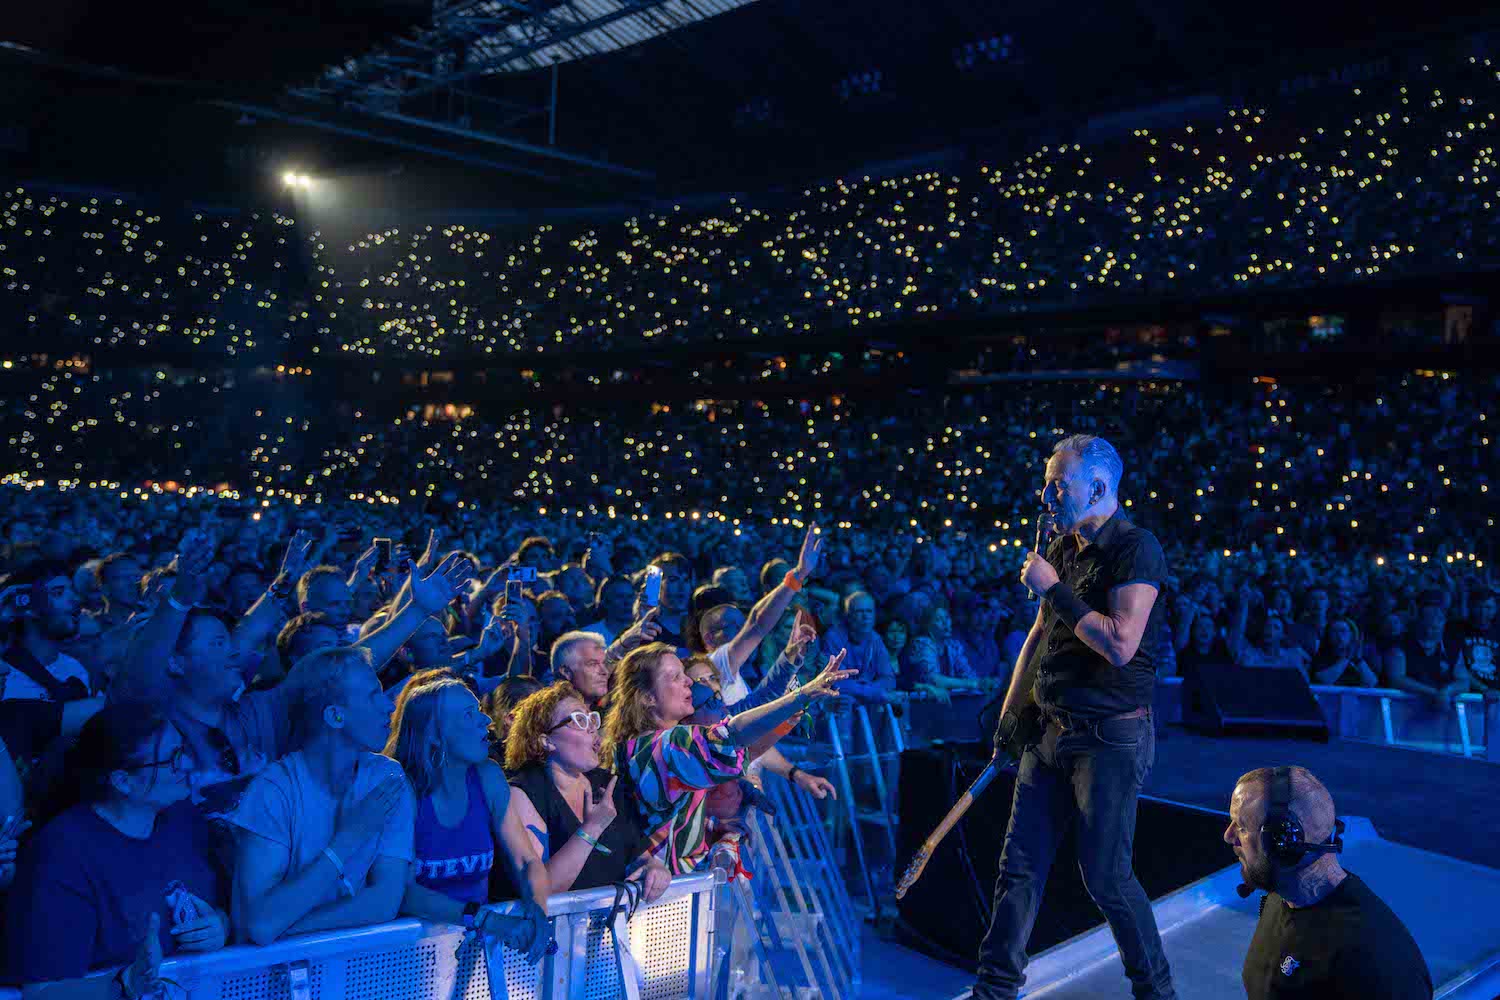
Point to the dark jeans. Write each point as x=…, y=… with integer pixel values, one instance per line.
x=1090, y=774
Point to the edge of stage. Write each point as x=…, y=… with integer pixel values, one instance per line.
x=1437, y=802
x=1421, y=834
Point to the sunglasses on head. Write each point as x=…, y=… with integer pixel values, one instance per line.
x=588, y=722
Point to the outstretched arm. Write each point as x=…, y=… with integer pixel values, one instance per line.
x=769, y=609
x=429, y=595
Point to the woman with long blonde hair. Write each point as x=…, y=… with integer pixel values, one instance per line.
x=441, y=738
x=670, y=767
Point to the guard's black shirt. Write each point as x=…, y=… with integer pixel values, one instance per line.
x=1073, y=678
x=1347, y=946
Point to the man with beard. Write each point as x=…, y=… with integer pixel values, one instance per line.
x=1322, y=932
x=47, y=615
x=1093, y=641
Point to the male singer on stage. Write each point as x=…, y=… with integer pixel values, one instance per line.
x=1092, y=639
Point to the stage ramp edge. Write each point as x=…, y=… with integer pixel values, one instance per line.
x=1206, y=927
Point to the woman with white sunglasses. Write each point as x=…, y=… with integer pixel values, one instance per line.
x=568, y=804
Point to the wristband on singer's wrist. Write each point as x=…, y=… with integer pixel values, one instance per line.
x=1065, y=604
x=792, y=581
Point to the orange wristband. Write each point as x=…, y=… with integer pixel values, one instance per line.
x=790, y=580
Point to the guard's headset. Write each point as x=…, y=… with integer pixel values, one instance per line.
x=1281, y=835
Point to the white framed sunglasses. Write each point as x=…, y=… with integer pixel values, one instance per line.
x=588, y=722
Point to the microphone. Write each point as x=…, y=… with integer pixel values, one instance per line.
x=1244, y=890
x=1041, y=525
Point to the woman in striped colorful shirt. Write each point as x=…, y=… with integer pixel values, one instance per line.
x=672, y=767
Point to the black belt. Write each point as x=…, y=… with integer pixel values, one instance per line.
x=1068, y=722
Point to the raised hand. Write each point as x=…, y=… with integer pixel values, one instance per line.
x=598, y=560
x=644, y=631
x=497, y=632
x=802, y=634
x=812, y=551
x=366, y=562
x=433, y=591
x=195, y=554
x=298, y=558
x=825, y=685
x=429, y=553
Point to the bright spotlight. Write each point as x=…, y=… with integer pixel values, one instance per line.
x=289, y=179
x=293, y=179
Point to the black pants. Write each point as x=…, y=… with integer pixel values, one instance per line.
x=1091, y=774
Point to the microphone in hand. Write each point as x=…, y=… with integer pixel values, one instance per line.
x=1042, y=520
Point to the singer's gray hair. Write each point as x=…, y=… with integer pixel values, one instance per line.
x=1098, y=456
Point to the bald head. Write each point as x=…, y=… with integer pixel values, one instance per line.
x=1311, y=805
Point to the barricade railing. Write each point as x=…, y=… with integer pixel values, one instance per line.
x=791, y=926
x=1384, y=715
x=869, y=801
x=670, y=953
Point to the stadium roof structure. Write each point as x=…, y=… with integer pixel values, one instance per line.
x=566, y=102
x=473, y=38
x=469, y=39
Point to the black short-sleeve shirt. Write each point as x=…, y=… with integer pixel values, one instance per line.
x=1349, y=946
x=1071, y=677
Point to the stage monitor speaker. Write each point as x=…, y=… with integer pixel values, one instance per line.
x=1222, y=699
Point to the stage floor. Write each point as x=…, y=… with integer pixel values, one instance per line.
x=1440, y=803
x=1207, y=927
x=1428, y=850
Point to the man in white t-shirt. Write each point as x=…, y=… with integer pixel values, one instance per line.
x=36, y=669
x=324, y=835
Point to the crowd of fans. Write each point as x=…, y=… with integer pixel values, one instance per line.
x=1384, y=179
x=275, y=663
x=279, y=709
x=256, y=730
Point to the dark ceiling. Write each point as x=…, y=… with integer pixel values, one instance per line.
x=747, y=98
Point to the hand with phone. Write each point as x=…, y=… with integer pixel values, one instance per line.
x=644, y=631
x=651, y=596
x=598, y=560
x=373, y=560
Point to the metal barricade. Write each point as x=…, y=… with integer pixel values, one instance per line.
x=671, y=941
x=1384, y=715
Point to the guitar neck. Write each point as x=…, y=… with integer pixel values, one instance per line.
x=961, y=806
